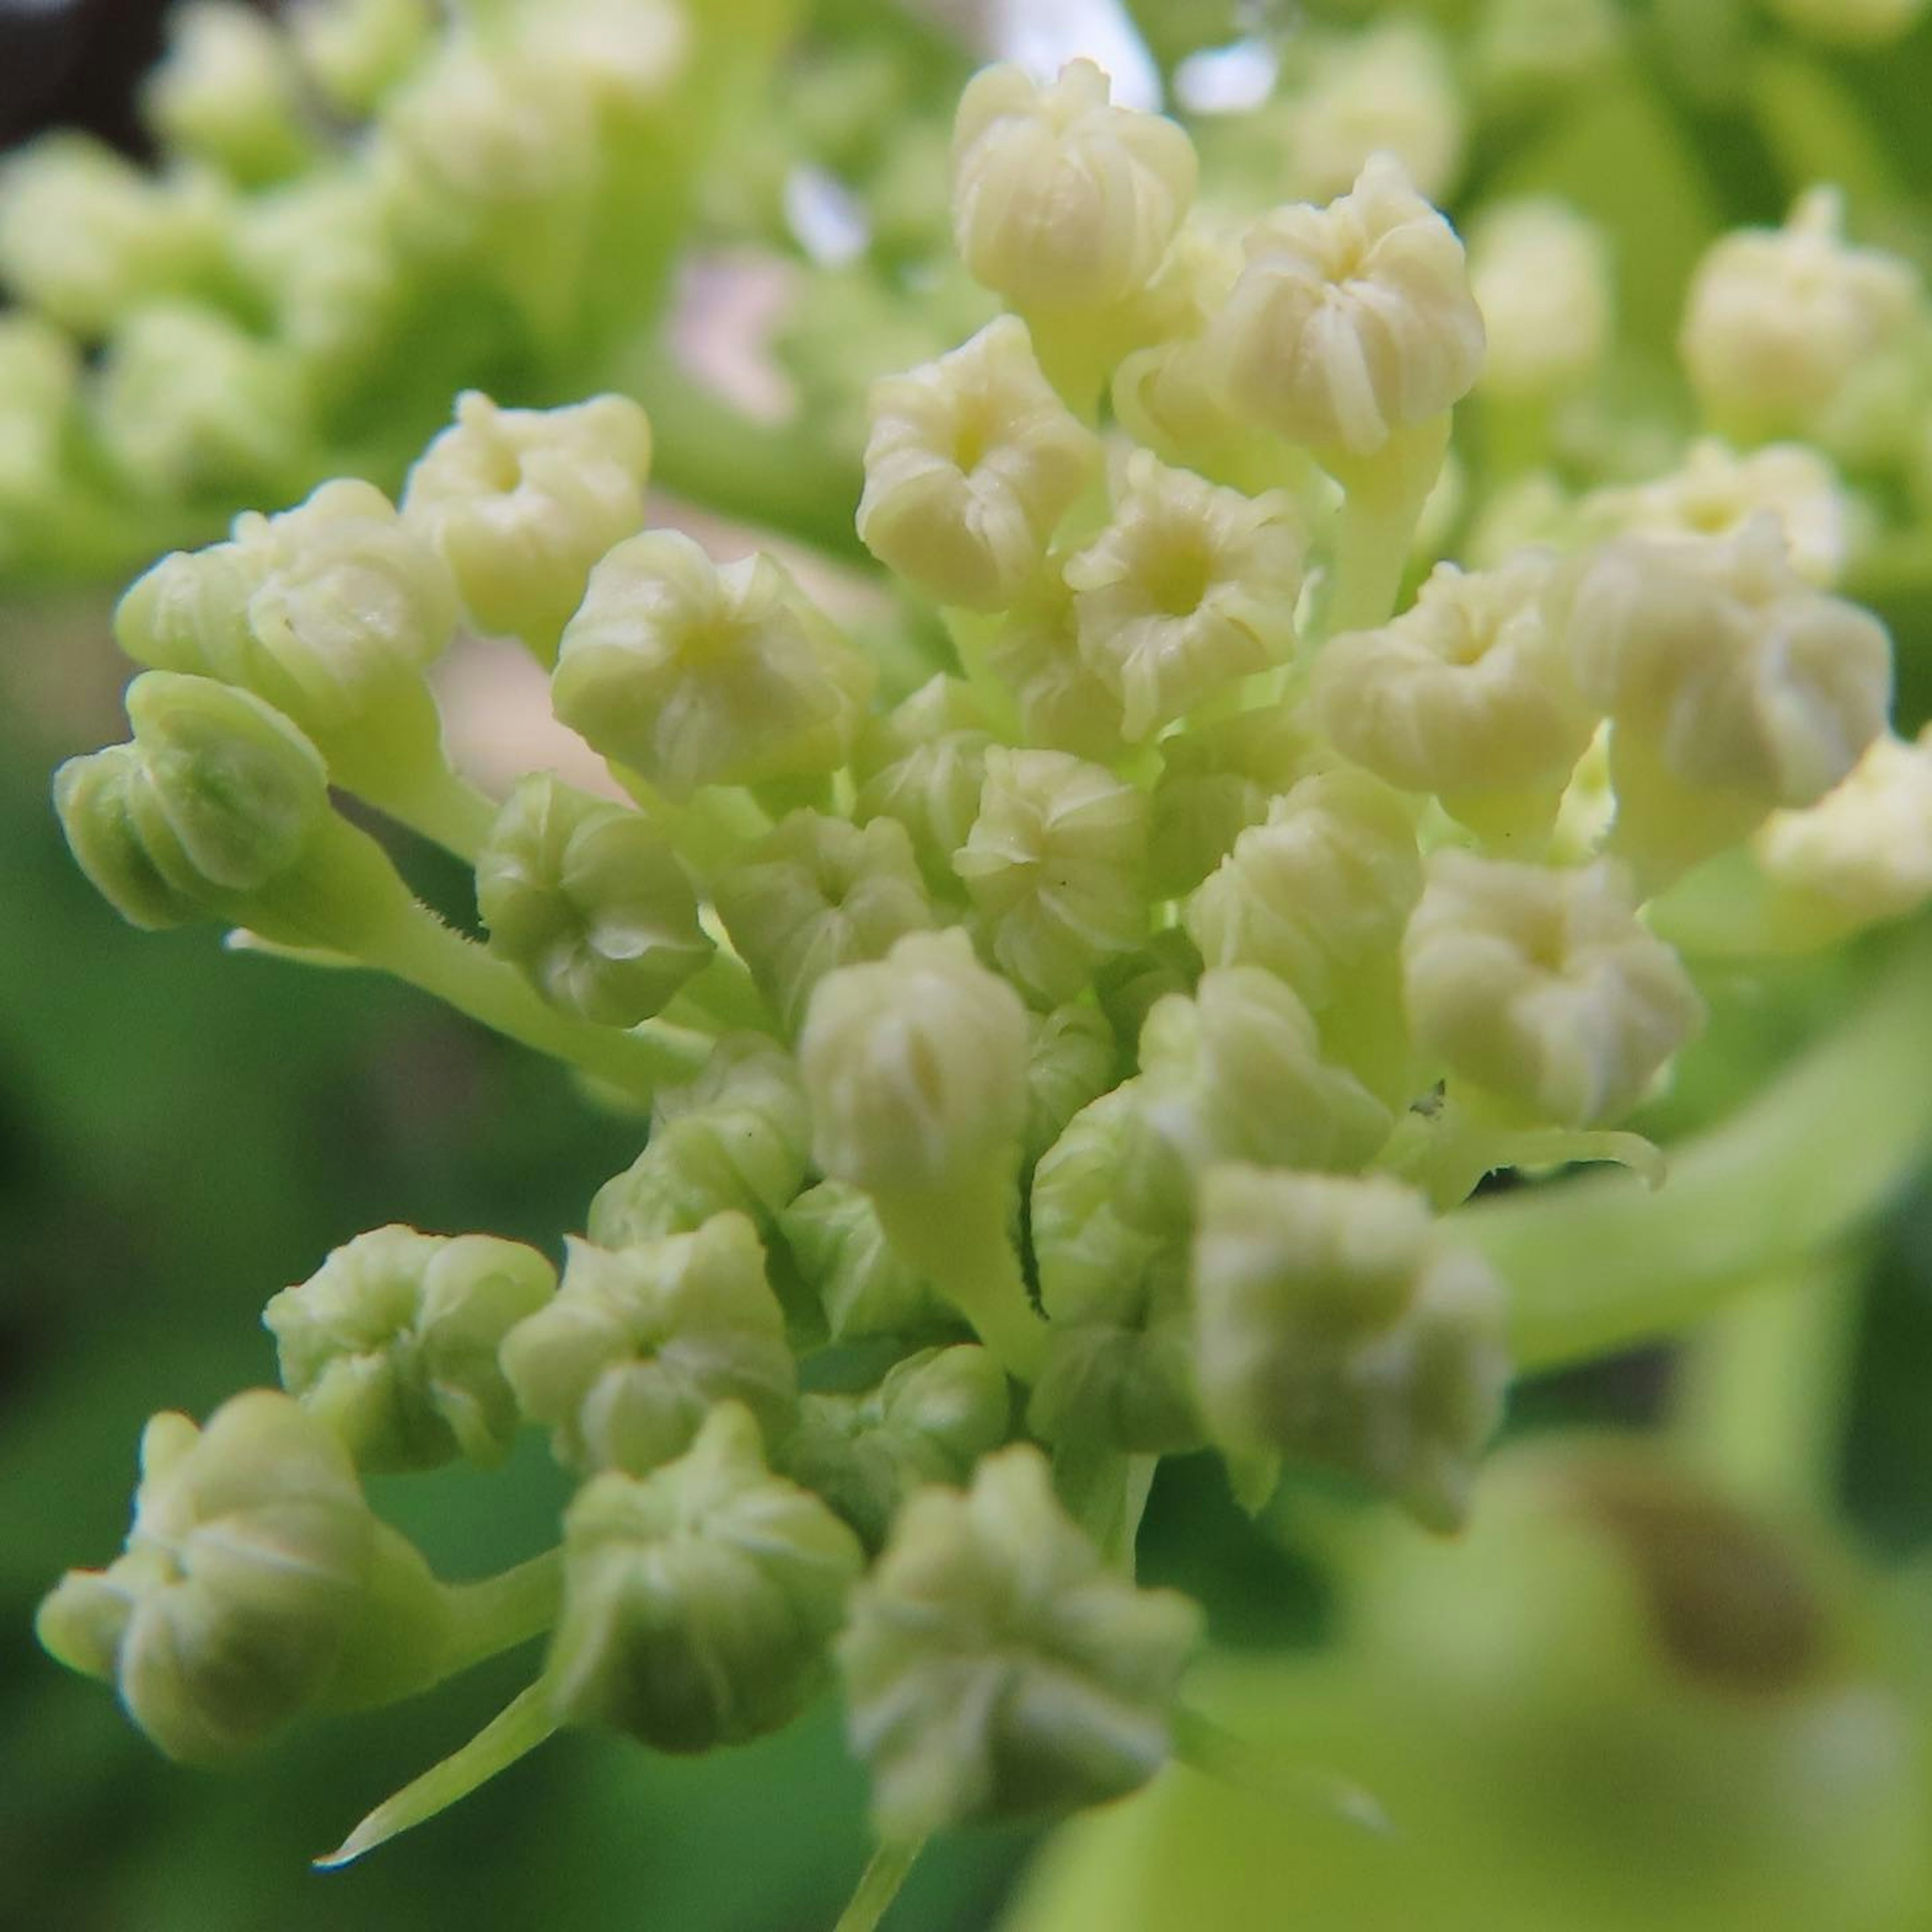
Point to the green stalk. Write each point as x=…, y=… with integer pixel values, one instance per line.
x=496, y=1613
x=889, y=1867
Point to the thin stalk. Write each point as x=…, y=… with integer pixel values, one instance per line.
x=496, y=1613
x=879, y=1884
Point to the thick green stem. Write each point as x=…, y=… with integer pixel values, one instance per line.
x=444, y=808
x=1601, y=1262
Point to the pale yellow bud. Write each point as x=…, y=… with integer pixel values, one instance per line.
x=1390, y=90
x=1540, y=273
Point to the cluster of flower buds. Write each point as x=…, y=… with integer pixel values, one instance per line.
x=1068, y=1032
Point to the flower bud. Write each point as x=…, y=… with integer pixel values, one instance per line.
x=1352, y=321
x=971, y=462
x=392, y=1342
x=328, y=611
x=1061, y=700
x=216, y=797
x=924, y=764
x=1236, y=1073
x=833, y=1233
x=696, y=674
x=85, y=236
x=817, y=893
x=1527, y=54
x=1540, y=986
x=588, y=899
x=1059, y=200
x=1321, y=890
x=930, y=1420
x=915, y=1067
x=227, y=92
x=254, y=1582
x=640, y=1342
x=1190, y=588
x=1467, y=695
x=995, y=1668
x=1069, y=1063
x=520, y=503
x=1054, y=866
x=1334, y=1327
x=355, y=51
x=1857, y=23
x=735, y=1137
x=1541, y=275
x=699, y=1603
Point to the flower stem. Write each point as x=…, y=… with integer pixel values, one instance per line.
x=887, y=1870
x=496, y=1613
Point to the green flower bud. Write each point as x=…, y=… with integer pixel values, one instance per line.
x=1063, y=702
x=1119, y=1368
x=736, y=1138
x=328, y=612
x=699, y=1603
x=85, y=235
x=864, y=1287
x=1070, y=1063
x=1054, y=866
x=216, y=797
x=817, y=893
x=1332, y=1327
x=187, y=404
x=40, y=373
x=996, y=1668
x=589, y=900
x=1236, y=1073
x=1128, y=987
x=356, y=50
x=1189, y=588
x=520, y=503
x=392, y=1342
x=640, y=1342
x=930, y=1420
x=228, y=91
x=255, y=1583
x=924, y=764
x=693, y=674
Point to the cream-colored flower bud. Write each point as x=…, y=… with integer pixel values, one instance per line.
x=924, y=764
x=521, y=503
x=1540, y=274
x=694, y=674
x=589, y=900
x=736, y=1138
x=816, y=893
x=915, y=1068
x=1054, y=866
x=1725, y=675
x=1850, y=23
x=1540, y=987
x=996, y=1667
x=835, y=1238
x=1784, y=326
x=970, y=463
x=1334, y=1326
x=640, y=1342
x=929, y=1421
x=392, y=1342
x=699, y=1604
x=1389, y=90
x=1062, y=702
x=631, y=56
x=228, y=91
x=1318, y=892
x=324, y=611
x=1467, y=692
x=1236, y=1073
x=1189, y=589
x=1350, y=322
x=1061, y=200
x=1716, y=492
x=356, y=50
x=1864, y=851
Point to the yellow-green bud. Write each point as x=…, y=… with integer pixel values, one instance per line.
x=1069, y=1063
x=1352, y=322
x=1059, y=200
x=228, y=91
x=971, y=462
x=640, y=1342
x=588, y=898
x=996, y=1668
x=694, y=674
x=1540, y=987
x=924, y=764
x=833, y=1233
x=816, y=893
x=1541, y=275
x=392, y=1342
x=698, y=1603
x=1054, y=866
x=356, y=50
x=520, y=503
x=1190, y=588
x=930, y=1420
x=1061, y=700
x=736, y=1137
x=1333, y=1326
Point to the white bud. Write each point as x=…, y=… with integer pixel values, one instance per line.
x=1540, y=273
x=1389, y=90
